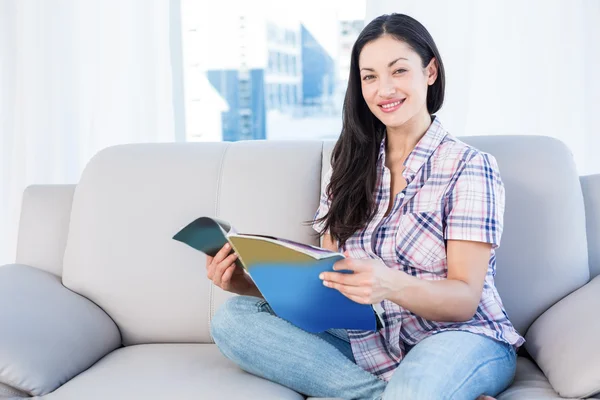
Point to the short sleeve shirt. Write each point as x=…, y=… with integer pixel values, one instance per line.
x=453, y=191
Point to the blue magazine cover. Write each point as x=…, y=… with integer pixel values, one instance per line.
x=287, y=275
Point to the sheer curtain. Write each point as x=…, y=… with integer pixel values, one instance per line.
x=76, y=77
x=517, y=67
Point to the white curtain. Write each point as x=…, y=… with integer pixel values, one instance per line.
x=517, y=67
x=76, y=77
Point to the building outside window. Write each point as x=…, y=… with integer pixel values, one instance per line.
x=277, y=72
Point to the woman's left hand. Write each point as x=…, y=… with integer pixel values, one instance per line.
x=370, y=282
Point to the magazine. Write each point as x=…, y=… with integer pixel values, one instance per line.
x=287, y=275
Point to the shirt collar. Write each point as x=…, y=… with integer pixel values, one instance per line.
x=428, y=143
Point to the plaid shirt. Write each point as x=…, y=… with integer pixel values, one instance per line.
x=453, y=191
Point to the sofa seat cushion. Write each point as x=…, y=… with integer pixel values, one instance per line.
x=169, y=371
x=7, y=392
x=564, y=343
x=48, y=334
x=530, y=383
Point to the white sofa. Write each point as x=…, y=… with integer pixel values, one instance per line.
x=103, y=304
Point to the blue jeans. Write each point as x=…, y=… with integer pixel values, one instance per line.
x=447, y=365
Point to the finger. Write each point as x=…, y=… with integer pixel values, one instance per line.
x=343, y=278
x=360, y=291
x=218, y=258
x=226, y=278
x=356, y=299
x=225, y=250
x=342, y=264
x=210, y=267
x=221, y=267
x=350, y=264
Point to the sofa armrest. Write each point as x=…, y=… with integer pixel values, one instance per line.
x=564, y=342
x=590, y=185
x=44, y=225
x=49, y=334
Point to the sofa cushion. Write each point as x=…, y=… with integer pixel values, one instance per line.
x=132, y=199
x=590, y=185
x=564, y=342
x=529, y=383
x=49, y=334
x=7, y=392
x=537, y=263
x=169, y=371
x=44, y=226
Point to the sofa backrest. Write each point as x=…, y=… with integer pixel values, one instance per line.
x=131, y=199
x=590, y=185
x=543, y=254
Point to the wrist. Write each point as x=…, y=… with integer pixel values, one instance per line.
x=398, y=281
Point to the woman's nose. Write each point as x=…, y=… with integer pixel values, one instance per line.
x=386, y=90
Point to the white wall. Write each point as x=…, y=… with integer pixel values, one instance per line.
x=76, y=77
x=517, y=67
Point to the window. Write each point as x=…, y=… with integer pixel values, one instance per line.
x=293, y=65
x=284, y=62
x=278, y=57
x=291, y=94
x=281, y=95
x=262, y=76
x=271, y=61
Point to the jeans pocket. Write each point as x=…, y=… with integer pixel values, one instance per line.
x=264, y=306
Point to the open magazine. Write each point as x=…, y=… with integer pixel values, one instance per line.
x=287, y=275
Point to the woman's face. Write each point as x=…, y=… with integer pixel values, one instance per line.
x=394, y=83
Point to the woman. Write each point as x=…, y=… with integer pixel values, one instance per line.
x=419, y=215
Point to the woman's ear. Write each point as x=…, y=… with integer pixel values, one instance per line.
x=431, y=71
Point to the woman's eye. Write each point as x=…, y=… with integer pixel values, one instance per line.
x=368, y=77
x=401, y=70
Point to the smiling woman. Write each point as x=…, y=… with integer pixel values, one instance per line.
x=386, y=85
x=419, y=215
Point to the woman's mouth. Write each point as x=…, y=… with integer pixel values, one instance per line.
x=392, y=106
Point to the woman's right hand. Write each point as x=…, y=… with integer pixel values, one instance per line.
x=224, y=273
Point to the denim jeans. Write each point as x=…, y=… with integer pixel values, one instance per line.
x=447, y=365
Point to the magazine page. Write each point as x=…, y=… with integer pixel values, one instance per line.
x=315, y=252
x=207, y=235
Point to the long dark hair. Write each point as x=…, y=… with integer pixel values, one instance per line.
x=354, y=158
